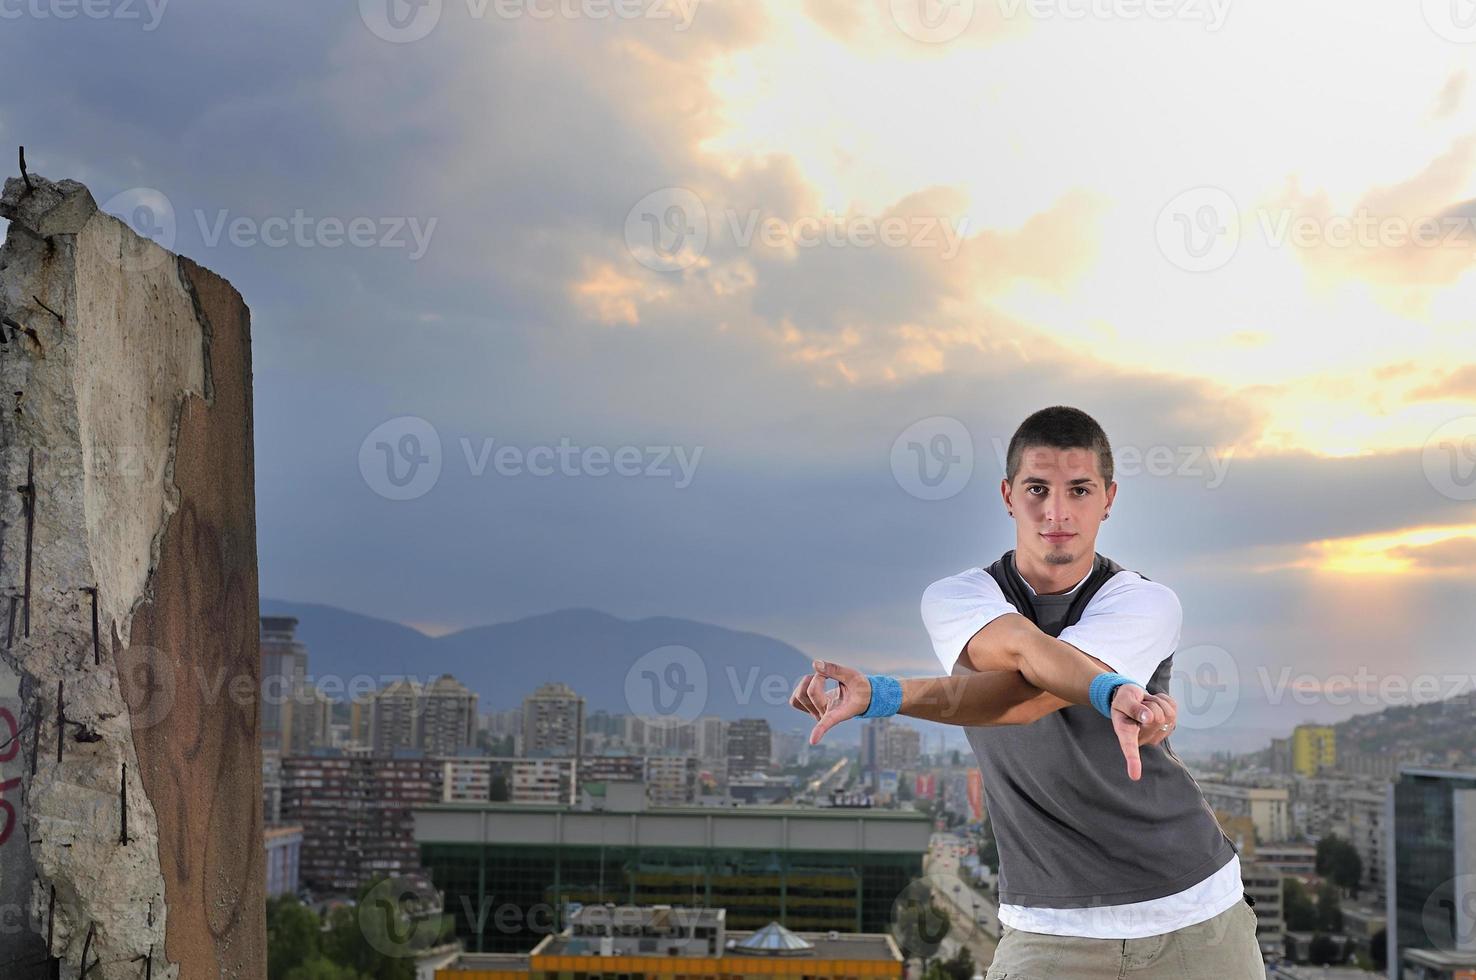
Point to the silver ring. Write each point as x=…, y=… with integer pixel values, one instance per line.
x=1164, y=728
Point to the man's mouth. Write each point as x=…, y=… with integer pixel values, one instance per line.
x=1057, y=536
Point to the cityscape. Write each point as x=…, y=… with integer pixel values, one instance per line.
x=522, y=832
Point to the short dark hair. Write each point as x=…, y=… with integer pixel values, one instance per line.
x=1060, y=427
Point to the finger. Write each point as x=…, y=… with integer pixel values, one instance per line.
x=799, y=700
x=1170, y=709
x=1157, y=720
x=813, y=696
x=815, y=692
x=842, y=704
x=1167, y=714
x=1127, y=738
x=838, y=672
x=1129, y=701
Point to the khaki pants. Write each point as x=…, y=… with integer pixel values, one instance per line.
x=1221, y=948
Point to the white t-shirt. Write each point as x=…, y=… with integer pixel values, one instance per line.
x=1131, y=625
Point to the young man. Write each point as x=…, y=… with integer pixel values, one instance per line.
x=1059, y=661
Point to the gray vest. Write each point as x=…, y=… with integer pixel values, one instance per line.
x=1073, y=830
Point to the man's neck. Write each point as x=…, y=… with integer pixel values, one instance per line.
x=1048, y=579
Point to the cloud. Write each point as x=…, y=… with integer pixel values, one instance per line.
x=1409, y=234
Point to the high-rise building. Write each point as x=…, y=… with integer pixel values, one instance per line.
x=271, y=787
x=1263, y=885
x=553, y=721
x=1314, y=749
x=448, y=721
x=671, y=780
x=888, y=746
x=1431, y=892
x=283, y=673
x=712, y=739
x=1365, y=828
x=355, y=814
x=749, y=747
x=311, y=720
x=394, y=716
x=283, y=847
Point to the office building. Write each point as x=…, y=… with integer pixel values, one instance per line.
x=1431, y=872
x=283, y=673
x=807, y=868
x=749, y=747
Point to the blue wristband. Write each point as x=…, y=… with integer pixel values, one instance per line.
x=1101, y=691
x=886, y=696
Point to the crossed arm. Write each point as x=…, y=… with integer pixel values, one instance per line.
x=1021, y=675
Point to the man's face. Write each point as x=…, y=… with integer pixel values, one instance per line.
x=1058, y=501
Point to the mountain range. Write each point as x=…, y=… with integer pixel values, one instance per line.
x=662, y=666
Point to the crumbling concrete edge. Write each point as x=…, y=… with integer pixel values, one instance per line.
x=109, y=894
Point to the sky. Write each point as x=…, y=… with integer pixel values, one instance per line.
x=727, y=310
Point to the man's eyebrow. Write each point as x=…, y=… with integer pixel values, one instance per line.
x=1045, y=483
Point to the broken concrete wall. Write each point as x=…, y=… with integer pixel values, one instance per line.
x=128, y=604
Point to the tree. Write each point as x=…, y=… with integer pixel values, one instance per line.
x=1297, y=905
x=319, y=968
x=960, y=966
x=381, y=935
x=292, y=935
x=1323, y=951
x=1329, y=908
x=1378, y=950
x=1338, y=859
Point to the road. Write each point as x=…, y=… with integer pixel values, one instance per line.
x=964, y=904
